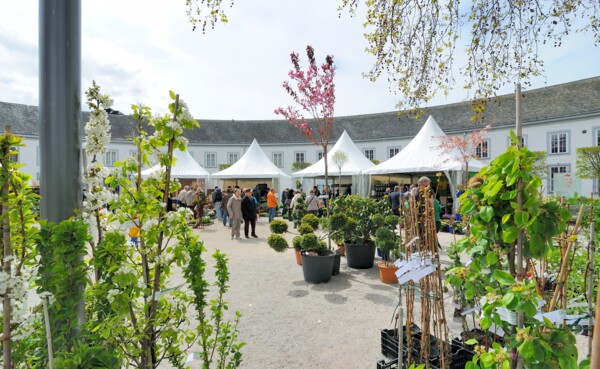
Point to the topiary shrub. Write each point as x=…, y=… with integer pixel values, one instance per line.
x=277, y=242
x=310, y=242
x=311, y=220
x=278, y=226
x=297, y=243
x=392, y=221
x=305, y=229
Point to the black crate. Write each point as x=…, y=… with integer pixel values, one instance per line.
x=381, y=364
x=389, y=342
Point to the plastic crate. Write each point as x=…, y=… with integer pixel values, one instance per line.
x=381, y=364
x=389, y=342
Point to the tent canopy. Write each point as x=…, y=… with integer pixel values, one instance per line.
x=185, y=167
x=422, y=155
x=356, y=163
x=253, y=164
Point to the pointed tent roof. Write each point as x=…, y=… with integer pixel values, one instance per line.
x=356, y=163
x=422, y=155
x=253, y=164
x=185, y=167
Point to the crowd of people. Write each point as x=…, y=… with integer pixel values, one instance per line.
x=235, y=206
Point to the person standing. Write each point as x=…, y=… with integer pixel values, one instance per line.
x=312, y=203
x=190, y=195
x=217, y=198
x=284, y=195
x=234, y=208
x=224, y=212
x=395, y=201
x=249, y=213
x=182, y=195
x=272, y=204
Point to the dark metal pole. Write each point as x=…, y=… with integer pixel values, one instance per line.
x=60, y=108
x=60, y=113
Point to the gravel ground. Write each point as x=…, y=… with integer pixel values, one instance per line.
x=288, y=323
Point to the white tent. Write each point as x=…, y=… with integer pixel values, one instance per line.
x=185, y=167
x=422, y=155
x=254, y=164
x=356, y=164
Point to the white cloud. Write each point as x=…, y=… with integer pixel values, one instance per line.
x=137, y=51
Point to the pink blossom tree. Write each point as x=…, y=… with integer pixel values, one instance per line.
x=315, y=94
x=464, y=149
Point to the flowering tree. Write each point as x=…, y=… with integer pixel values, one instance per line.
x=464, y=149
x=315, y=93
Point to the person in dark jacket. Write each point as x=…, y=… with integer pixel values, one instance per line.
x=395, y=200
x=249, y=213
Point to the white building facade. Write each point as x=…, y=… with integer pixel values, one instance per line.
x=549, y=126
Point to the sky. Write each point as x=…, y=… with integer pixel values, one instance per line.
x=139, y=50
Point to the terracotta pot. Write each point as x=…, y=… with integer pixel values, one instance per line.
x=342, y=249
x=387, y=274
x=298, y=257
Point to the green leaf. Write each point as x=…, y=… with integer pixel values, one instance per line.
x=472, y=341
x=506, y=218
x=509, y=299
x=529, y=308
x=172, y=95
x=521, y=219
x=503, y=277
x=567, y=362
x=485, y=322
x=510, y=234
x=491, y=258
x=487, y=359
x=526, y=349
x=486, y=213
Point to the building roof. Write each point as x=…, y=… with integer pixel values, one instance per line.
x=568, y=100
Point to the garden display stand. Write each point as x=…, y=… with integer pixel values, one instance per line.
x=420, y=275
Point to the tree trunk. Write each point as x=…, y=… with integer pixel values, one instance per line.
x=329, y=194
x=6, y=307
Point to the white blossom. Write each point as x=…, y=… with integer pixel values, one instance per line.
x=182, y=140
x=151, y=223
x=112, y=293
x=176, y=126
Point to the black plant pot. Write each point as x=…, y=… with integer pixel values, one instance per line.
x=336, y=263
x=317, y=269
x=360, y=256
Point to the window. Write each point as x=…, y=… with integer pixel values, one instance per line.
x=15, y=158
x=392, y=151
x=556, y=169
x=111, y=157
x=369, y=153
x=232, y=157
x=596, y=137
x=299, y=156
x=558, y=143
x=278, y=159
x=523, y=140
x=319, y=155
x=482, y=151
x=210, y=160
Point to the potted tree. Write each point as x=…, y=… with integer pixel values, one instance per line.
x=358, y=229
x=316, y=260
x=387, y=241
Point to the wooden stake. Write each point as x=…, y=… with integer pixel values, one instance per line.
x=6, y=306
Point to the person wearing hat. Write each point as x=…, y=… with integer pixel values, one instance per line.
x=249, y=213
x=217, y=197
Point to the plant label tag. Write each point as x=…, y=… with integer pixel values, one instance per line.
x=507, y=315
x=193, y=356
x=496, y=330
x=555, y=317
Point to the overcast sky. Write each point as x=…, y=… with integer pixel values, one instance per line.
x=139, y=50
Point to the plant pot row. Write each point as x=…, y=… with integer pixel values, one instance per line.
x=357, y=257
